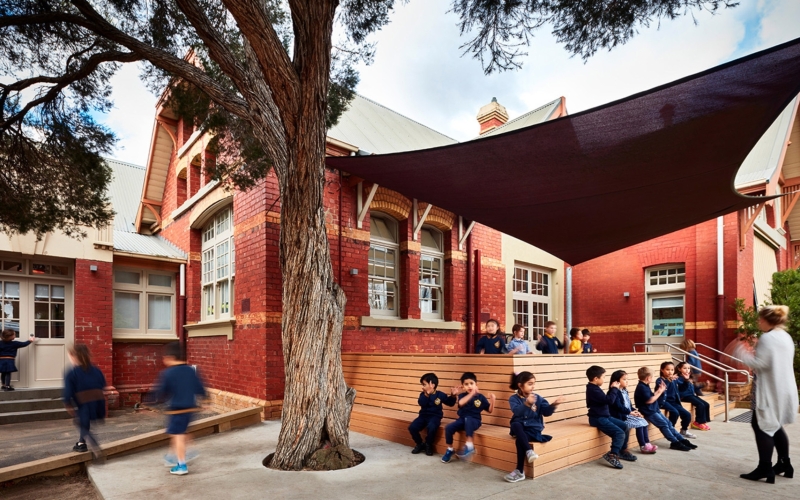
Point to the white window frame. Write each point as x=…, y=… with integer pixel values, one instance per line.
x=385, y=244
x=144, y=290
x=217, y=274
x=437, y=254
x=527, y=306
x=671, y=283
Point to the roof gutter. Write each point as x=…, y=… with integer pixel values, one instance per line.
x=175, y=260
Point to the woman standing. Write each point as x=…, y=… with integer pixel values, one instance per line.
x=774, y=396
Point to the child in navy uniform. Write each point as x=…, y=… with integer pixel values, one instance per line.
x=527, y=422
x=549, y=343
x=493, y=342
x=600, y=416
x=83, y=394
x=8, y=355
x=686, y=390
x=588, y=348
x=430, y=412
x=670, y=400
x=179, y=385
x=470, y=405
x=622, y=409
x=647, y=402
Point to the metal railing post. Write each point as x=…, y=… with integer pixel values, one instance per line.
x=727, y=396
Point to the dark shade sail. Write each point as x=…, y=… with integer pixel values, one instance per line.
x=597, y=181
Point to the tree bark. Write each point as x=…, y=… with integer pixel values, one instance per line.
x=317, y=402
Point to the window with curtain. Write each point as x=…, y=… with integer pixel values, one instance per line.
x=144, y=302
x=383, y=266
x=431, y=274
x=218, y=267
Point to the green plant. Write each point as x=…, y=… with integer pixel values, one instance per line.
x=748, y=320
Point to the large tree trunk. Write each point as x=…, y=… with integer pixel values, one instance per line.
x=317, y=402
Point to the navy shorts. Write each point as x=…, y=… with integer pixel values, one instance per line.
x=177, y=424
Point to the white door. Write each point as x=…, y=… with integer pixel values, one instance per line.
x=50, y=320
x=666, y=315
x=13, y=317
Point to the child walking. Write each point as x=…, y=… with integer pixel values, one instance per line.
x=518, y=344
x=470, y=405
x=430, y=412
x=622, y=409
x=8, y=355
x=686, y=391
x=600, y=416
x=179, y=385
x=670, y=400
x=83, y=394
x=527, y=421
x=647, y=403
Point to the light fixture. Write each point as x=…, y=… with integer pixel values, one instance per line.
x=353, y=272
x=93, y=268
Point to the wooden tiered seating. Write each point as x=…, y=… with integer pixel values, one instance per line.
x=388, y=387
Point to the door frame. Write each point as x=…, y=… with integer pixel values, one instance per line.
x=33, y=381
x=649, y=316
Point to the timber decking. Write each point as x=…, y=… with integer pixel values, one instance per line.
x=388, y=387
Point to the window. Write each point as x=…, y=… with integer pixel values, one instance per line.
x=383, y=266
x=431, y=274
x=218, y=266
x=531, y=299
x=9, y=314
x=144, y=302
x=665, y=286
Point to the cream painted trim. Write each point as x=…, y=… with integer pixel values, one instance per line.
x=411, y=323
x=208, y=207
x=191, y=201
x=149, y=257
x=215, y=328
x=341, y=144
x=769, y=234
x=144, y=337
x=190, y=141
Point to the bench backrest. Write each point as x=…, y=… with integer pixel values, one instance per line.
x=392, y=380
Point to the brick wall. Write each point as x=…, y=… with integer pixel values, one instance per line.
x=94, y=312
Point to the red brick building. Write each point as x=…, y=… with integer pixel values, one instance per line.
x=188, y=257
x=666, y=289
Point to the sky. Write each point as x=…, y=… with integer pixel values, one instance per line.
x=419, y=71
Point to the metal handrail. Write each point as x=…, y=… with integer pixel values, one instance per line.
x=719, y=352
x=727, y=370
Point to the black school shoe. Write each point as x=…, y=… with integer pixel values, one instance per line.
x=80, y=447
x=627, y=456
x=677, y=445
x=428, y=450
x=418, y=448
x=688, y=444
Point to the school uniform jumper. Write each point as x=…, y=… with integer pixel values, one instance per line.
x=514, y=343
x=599, y=416
x=670, y=400
x=178, y=385
x=469, y=417
x=652, y=413
x=697, y=365
x=702, y=410
x=8, y=354
x=430, y=415
x=621, y=409
x=527, y=424
x=83, y=389
x=491, y=345
x=587, y=348
x=549, y=345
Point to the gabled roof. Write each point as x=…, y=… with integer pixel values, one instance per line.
x=124, y=192
x=552, y=109
x=764, y=159
x=377, y=129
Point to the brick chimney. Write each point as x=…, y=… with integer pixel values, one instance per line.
x=492, y=116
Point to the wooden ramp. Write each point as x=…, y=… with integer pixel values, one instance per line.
x=388, y=387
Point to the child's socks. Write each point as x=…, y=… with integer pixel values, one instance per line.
x=469, y=446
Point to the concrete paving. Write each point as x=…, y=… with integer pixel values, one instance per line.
x=229, y=466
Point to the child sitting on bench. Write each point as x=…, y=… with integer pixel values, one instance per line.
x=430, y=412
x=470, y=405
x=600, y=416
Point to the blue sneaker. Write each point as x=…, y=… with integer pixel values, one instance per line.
x=466, y=453
x=447, y=456
x=179, y=470
x=170, y=460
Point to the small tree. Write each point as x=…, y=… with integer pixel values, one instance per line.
x=748, y=320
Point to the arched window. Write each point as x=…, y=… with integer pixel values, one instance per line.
x=218, y=266
x=431, y=274
x=383, y=268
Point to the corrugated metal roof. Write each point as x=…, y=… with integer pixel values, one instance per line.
x=533, y=117
x=143, y=244
x=377, y=129
x=762, y=162
x=125, y=192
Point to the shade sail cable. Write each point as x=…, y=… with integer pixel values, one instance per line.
x=603, y=179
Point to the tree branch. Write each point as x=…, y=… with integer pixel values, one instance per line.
x=60, y=83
